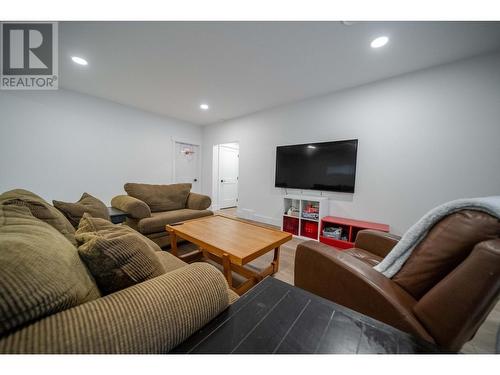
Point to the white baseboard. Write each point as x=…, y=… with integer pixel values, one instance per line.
x=249, y=214
x=268, y=220
x=245, y=213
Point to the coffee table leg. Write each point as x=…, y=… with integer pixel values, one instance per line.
x=226, y=264
x=173, y=243
x=276, y=260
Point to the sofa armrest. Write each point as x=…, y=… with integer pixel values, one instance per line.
x=150, y=317
x=198, y=201
x=454, y=308
x=376, y=242
x=136, y=208
x=341, y=278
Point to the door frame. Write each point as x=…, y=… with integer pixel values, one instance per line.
x=216, y=177
x=188, y=142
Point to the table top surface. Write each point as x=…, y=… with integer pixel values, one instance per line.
x=275, y=317
x=243, y=242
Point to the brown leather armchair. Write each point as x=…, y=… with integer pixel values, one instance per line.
x=442, y=293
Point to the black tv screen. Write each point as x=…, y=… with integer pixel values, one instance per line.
x=327, y=166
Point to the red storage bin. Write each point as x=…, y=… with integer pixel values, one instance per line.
x=309, y=229
x=291, y=225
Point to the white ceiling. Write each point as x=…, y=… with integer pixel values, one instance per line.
x=243, y=67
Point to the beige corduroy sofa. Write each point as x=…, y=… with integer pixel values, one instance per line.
x=151, y=207
x=50, y=303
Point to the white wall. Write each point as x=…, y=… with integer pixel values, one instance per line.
x=424, y=138
x=59, y=144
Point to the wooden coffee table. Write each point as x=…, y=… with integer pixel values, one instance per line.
x=232, y=243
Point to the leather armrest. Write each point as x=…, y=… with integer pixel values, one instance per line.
x=136, y=208
x=341, y=278
x=453, y=309
x=376, y=242
x=151, y=317
x=198, y=201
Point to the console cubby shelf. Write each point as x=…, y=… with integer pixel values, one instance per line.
x=302, y=215
x=349, y=229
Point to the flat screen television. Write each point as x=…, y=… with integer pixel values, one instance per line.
x=326, y=166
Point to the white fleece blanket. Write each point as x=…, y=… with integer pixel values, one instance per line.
x=393, y=262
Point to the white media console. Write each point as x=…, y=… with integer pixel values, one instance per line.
x=302, y=215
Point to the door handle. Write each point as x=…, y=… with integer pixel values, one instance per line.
x=221, y=180
x=195, y=180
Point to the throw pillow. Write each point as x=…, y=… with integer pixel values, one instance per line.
x=87, y=203
x=41, y=272
x=40, y=209
x=116, y=255
x=93, y=224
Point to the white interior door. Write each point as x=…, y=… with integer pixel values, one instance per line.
x=228, y=176
x=187, y=165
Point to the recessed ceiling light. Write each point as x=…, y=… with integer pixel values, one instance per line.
x=379, y=42
x=311, y=147
x=79, y=60
x=204, y=107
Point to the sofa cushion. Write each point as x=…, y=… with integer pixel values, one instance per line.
x=162, y=239
x=87, y=203
x=40, y=209
x=156, y=223
x=160, y=197
x=117, y=256
x=134, y=207
x=169, y=261
x=41, y=272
